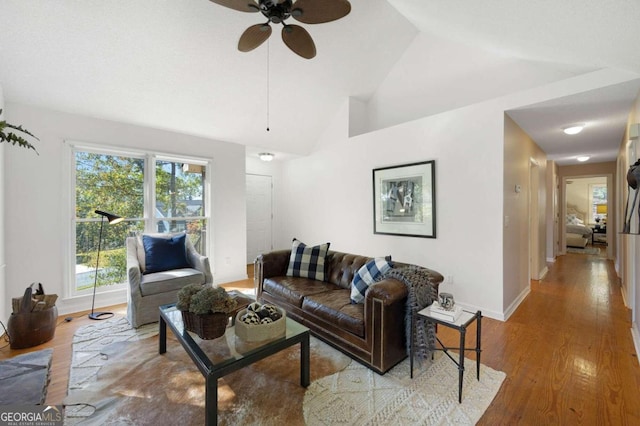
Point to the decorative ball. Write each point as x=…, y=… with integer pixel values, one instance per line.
x=275, y=316
x=266, y=320
x=254, y=306
x=250, y=318
x=270, y=308
x=263, y=313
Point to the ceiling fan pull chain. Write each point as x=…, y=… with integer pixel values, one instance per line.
x=268, y=85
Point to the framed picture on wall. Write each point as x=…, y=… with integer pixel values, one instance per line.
x=404, y=200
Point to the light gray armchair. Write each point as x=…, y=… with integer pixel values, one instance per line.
x=146, y=292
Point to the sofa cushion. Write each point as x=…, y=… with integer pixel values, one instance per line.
x=336, y=308
x=367, y=275
x=307, y=262
x=163, y=254
x=294, y=289
x=175, y=279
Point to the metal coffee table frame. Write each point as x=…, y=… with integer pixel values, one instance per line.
x=296, y=333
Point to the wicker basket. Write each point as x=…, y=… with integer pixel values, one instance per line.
x=260, y=332
x=207, y=326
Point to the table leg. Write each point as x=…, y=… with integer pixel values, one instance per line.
x=478, y=343
x=211, y=400
x=304, y=361
x=162, y=341
x=461, y=364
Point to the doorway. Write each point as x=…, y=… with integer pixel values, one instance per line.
x=587, y=209
x=259, y=191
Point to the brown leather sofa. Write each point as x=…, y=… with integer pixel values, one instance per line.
x=372, y=333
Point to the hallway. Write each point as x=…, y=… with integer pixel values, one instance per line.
x=567, y=351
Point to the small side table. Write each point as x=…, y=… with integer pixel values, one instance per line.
x=465, y=320
x=598, y=230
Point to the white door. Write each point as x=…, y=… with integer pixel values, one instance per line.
x=259, y=216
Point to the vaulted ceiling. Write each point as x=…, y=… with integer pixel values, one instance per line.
x=174, y=65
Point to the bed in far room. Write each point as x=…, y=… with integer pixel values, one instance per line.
x=578, y=234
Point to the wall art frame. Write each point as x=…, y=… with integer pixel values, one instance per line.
x=404, y=200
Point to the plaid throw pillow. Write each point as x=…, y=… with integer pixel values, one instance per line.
x=367, y=275
x=307, y=262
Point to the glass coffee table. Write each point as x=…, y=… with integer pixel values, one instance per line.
x=218, y=357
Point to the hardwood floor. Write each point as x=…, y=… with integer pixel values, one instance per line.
x=567, y=351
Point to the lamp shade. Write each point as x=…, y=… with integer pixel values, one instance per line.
x=111, y=218
x=601, y=209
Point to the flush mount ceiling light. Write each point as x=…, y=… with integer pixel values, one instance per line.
x=574, y=129
x=583, y=158
x=266, y=156
x=278, y=11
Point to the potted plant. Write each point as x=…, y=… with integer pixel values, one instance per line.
x=205, y=310
x=10, y=137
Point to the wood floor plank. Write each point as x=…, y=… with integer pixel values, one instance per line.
x=567, y=350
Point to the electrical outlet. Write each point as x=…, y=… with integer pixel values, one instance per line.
x=227, y=261
x=449, y=279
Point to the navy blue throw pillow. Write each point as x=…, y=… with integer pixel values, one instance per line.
x=163, y=254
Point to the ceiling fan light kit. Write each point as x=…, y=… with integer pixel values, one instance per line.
x=294, y=37
x=266, y=156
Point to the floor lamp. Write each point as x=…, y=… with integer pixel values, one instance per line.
x=111, y=219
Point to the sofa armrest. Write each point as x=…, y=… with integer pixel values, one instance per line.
x=201, y=263
x=267, y=265
x=389, y=291
x=134, y=271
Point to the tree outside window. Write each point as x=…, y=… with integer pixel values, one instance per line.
x=597, y=196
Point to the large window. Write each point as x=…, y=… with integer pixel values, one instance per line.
x=153, y=193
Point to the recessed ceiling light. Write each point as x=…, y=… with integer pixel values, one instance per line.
x=574, y=129
x=583, y=158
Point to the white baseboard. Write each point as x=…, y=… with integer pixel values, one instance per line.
x=83, y=303
x=514, y=305
x=635, y=334
x=543, y=273
x=551, y=259
x=624, y=296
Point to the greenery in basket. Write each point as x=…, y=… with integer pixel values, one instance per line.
x=205, y=300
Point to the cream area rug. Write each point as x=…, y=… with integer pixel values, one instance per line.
x=118, y=377
x=586, y=250
x=358, y=396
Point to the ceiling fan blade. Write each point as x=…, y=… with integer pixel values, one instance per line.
x=318, y=12
x=241, y=5
x=253, y=37
x=298, y=39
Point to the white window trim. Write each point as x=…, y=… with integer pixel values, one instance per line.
x=150, y=158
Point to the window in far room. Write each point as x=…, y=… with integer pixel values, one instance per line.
x=598, y=203
x=153, y=193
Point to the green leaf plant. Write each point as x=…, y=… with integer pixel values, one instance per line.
x=13, y=138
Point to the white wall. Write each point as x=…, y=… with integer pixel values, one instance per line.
x=37, y=210
x=4, y=297
x=328, y=197
x=552, y=215
x=522, y=221
x=629, y=267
